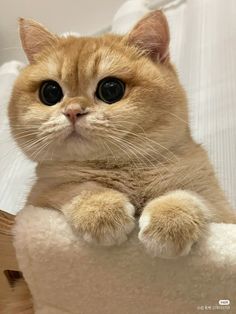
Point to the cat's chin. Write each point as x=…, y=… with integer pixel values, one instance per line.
x=74, y=135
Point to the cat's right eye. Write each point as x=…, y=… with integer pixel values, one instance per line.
x=50, y=93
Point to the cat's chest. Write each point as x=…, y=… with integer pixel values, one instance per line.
x=128, y=181
x=136, y=183
x=140, y=184
x=131, y=181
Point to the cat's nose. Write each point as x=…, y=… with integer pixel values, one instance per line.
x=73, y=112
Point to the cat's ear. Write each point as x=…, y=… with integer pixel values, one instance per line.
x=34, y=38
x=151, y=35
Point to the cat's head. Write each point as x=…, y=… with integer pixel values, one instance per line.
x=96, y=98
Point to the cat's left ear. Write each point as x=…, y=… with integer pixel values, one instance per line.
x=151, y=35
x=34, y=38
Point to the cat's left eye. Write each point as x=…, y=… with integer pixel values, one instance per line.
x=110, y=90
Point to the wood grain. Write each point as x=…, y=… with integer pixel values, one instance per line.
x=7, y=252
x=6, y=223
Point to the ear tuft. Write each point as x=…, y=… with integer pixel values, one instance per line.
x=34, y=38
x=151, y=35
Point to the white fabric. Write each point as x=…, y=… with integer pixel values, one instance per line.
x=129, y=13
x=16, y=172
x=66, y=275
x=203, y=48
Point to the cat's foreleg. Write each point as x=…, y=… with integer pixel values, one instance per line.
x=172, y=223
x=100, y=215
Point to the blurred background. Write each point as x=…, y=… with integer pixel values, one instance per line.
x=85, y=17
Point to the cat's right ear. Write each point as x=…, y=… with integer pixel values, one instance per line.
x=34, y=38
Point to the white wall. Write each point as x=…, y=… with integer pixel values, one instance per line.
x=83, y=16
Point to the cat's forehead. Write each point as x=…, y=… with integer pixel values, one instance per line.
x=78, y=61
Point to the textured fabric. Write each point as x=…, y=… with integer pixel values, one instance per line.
x=16, y=171
x=129, y=13
x=203, y=48
x=66, y=275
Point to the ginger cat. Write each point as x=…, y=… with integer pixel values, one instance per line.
x=106, y=119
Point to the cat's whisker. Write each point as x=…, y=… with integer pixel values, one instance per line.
x=111, y=141
x=145, y=154
x=18, y=136
x=133, y=149
x=41, y=149
x=177, y=117
x=145, y=137
x=145, y=140
x=138, y=150
x=25, y=135
x=32, y=144
x=107, y=147
x=124, y=148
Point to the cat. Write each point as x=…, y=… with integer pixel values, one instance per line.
x=106, y=120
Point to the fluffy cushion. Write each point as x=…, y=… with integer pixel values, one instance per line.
x=66, y=275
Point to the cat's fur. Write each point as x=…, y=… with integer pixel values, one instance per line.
x=135, y=158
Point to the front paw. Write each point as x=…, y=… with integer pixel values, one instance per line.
x=104, y=218
x=171, y=224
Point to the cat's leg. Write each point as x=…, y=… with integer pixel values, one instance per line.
x=172, y=223
x=100, y=215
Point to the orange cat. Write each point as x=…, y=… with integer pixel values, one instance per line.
x=106, y=119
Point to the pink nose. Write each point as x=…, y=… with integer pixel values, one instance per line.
x=73, y=113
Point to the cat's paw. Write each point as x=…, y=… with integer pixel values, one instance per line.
x=110, y=229
x=160, y=241
x=171, y=224
x=105, y=218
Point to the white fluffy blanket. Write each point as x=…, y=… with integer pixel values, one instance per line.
x=66, y=275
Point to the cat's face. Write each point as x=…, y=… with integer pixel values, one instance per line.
x=97, y=98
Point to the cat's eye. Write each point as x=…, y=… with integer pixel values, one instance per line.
x=50, y=93
x=110, y=90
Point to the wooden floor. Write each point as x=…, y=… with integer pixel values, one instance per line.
x=9, y=270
